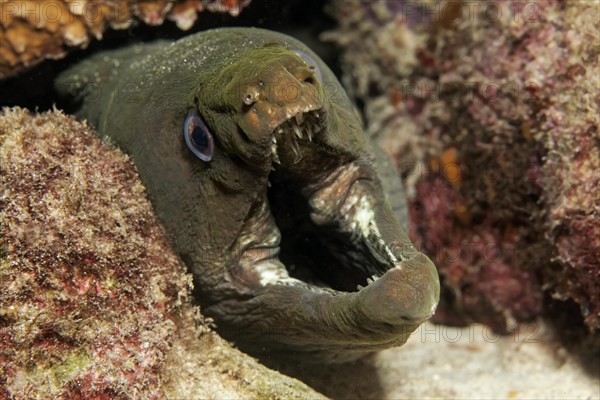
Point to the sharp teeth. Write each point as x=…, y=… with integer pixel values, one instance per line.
x=280, y=130
x=309, y=134
x=274, y=153
x=299, y=118
x=372, y=279
x=359, y=287
x=273, y=140
x=317, y=114
x=297, y=152
x=297, y=131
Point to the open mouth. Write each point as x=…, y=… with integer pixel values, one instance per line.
x=324, y=264
x=322, y=202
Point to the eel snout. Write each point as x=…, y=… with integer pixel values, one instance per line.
x=404, y=294
x=284, y=88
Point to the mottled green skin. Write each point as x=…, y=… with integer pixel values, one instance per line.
x=215, y=211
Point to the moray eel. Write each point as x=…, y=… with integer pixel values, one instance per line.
x=257, y=165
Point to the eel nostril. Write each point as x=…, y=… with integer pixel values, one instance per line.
x=248, y=99
x=310, y=80
x=251, y=96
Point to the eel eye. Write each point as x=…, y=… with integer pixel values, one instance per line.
x=198, y=137
x=312, y=64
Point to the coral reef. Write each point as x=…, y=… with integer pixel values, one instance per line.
x=490, y=110
x=93, y=303
x=31, y=31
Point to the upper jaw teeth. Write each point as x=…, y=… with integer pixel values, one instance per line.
x=297, y=131
x=274, y=150
x=302, y=127
x=299, y=126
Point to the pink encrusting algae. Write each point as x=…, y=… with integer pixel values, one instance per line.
x=491, y=112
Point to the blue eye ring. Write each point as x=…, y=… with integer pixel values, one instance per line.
x=311, y=63
x=197, y=137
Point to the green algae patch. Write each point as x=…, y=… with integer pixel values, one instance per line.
x=71, y=367
x=55, y=376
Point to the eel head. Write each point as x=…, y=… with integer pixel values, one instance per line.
x=320, y=263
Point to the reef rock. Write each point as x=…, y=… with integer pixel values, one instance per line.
x=491, y=111
x=31, y=31
x=93, y=302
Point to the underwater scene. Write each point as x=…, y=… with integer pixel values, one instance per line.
x=258, y=199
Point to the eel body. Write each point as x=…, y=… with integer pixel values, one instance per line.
x=258, y=167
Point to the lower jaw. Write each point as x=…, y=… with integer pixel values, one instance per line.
x=317, y=324
x=292, y=306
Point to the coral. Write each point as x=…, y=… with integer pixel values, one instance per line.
x=31, y=31
x=87, y=286
x=93, y=302
x=490, y=110
x=570, y=133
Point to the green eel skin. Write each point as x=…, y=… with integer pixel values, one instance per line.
x=292, y=230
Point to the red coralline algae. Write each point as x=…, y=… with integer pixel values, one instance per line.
x=510, y=90
x=80, y=299
x=477, y=260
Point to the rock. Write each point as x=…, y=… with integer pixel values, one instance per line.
x=491, y=113
x=32, y=31
x=93, y=302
